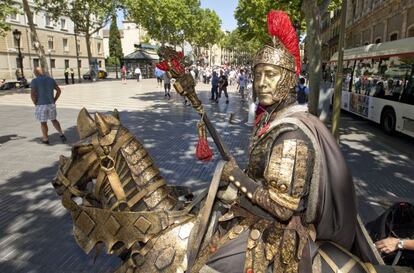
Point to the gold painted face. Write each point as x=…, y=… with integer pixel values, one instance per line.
x=267, y=84
x=272, y=83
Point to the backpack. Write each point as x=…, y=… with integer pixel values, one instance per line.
x=301, y=96
x=397, y=221
x=224, y=81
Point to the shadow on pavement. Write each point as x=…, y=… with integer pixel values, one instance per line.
x=36, y=231
x=382, y=175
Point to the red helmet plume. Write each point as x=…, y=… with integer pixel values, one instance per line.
x=280, y=26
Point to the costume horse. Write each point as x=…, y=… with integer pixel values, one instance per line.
x=117, y=197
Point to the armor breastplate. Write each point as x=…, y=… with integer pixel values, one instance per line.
x=259, y=154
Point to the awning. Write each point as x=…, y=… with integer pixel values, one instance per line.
x=142, y=54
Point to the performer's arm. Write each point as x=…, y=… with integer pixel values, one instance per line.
x=288, y=169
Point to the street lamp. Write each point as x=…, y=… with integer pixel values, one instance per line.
x=17, y=35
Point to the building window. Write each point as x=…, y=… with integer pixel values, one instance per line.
x=78, y=46
x=393, y=36
x=63, y=24
x=99, y=48
x=378, y=40
x=79, y=63
x=65, y=45
x=410, y=32
x=36, y=63
x=48, y=21
x=18, y=63
x=66, y=63
x=52, y=63
x=50, y=43
x=14, y=17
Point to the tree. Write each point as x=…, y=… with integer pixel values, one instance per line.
x=89, y=16
x=35, y=38
x=237, y=46
x=7, y=8
x=206, y=30
x=115, y=45
x=163, y=20
x=251, y=17
x=176, y=21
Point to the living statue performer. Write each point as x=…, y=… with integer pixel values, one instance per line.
x=296, y=183
x=292, y=210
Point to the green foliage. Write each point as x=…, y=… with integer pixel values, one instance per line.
x=176, y=21
x=207, y=28
x=89, y=15
x=234, y=41
x=7, y=7
x=145, y=39
x=113, y=60
x=115, y=45
x=163, y=20
x=251, y=16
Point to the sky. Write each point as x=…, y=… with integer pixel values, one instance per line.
x=224, y=9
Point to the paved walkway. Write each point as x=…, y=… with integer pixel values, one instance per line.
x=36, y=231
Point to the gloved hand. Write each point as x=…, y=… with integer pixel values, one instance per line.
x=228, y=168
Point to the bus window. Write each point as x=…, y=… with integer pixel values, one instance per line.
x=408, y=95
x=396, y=76
x=347, y=75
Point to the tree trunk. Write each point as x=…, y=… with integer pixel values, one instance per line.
x=116, y=71
x=88, y=49
x=35, y=38
x=339, y=76
x=313, y=43
x=77, y=54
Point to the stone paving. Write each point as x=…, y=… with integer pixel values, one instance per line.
x=36, y=231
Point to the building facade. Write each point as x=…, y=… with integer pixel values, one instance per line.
x=131, y=35
x=367, y=22
x=376, y=21
x=330, y=25
x=59, y=43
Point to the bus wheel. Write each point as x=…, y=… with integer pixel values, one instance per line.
x=388, y=121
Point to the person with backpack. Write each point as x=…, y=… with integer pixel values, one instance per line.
x=302, y=92
x=223, y=83
x=214, y=87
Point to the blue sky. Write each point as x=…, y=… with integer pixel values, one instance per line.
x=224, y=9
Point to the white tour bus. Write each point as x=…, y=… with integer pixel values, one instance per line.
x=378, y=84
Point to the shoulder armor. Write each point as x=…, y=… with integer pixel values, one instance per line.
x=287, y=172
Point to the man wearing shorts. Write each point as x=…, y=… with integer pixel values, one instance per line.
x=44, y=99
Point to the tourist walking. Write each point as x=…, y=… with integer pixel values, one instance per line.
x=123, y=74
x=302, y=92
x=44, y=99
x=137, y=73
x=167, y=85
x=223, y=83
x=214, y=87
x=242, y=84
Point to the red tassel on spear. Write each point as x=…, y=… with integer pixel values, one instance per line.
x=203, y=151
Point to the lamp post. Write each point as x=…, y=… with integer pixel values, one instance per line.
x=50, y=62
x=17, y=35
